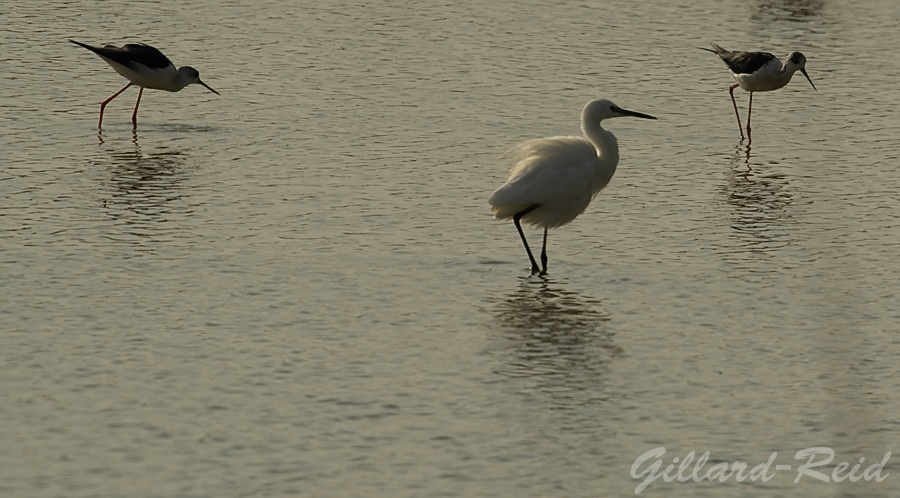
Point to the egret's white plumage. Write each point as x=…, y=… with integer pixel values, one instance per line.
x=563, y=189
x=554, y=179
x=758, y=72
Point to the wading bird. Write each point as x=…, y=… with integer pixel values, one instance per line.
x=758, y=72
x=146, y=67
x=554, y=179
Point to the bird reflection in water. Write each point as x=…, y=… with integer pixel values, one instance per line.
x=555, y=342
x=760, y=207
x=142, y=187
x=768, y=12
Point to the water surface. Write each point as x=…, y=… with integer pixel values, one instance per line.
x=297, y=288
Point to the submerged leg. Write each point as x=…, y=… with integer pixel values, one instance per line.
x=103, y=104
x=134, y=116
x=740, y=126
x=516, y=218
x=749, y=110
x=544, y=254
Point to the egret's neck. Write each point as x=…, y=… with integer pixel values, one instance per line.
x=607, y=149
x=604, y=141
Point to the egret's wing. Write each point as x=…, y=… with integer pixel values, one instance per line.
x=546, y=170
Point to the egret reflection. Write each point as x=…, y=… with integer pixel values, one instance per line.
x=555, y=341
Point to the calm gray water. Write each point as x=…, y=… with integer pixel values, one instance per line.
x=297, y=288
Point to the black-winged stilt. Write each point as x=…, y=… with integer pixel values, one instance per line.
x=758, y=72
x=145, y=67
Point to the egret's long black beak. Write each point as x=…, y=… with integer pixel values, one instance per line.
x=626, y=112
x=217, y=93
x=807, y=78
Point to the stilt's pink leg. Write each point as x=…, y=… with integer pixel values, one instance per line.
x=134, y=116
x=749, y=110
x=103, y=104
x=740, y=126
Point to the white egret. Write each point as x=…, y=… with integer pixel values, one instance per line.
x=554, y=179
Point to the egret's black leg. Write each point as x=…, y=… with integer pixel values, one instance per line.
x=516, y=218
x=544, y=254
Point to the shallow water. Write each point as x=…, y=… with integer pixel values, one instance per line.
x=297, y=288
